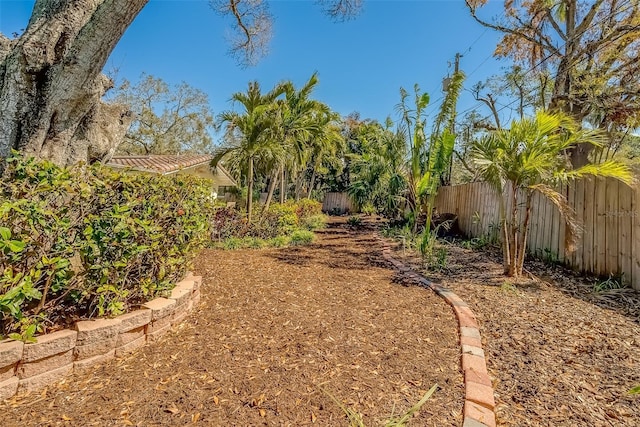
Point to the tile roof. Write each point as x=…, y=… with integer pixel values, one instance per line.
x=161, y=164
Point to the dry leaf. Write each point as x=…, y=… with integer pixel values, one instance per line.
x=313, y=417
x=195, y=417
x=263, y=413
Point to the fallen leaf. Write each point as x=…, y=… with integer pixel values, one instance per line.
x=263, y=413
x=195, y=417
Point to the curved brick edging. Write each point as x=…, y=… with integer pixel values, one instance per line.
x=479, y=403
x=28, y=367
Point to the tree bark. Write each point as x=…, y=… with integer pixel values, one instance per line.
x=272, y=187
x=283, y=184
x=311, y=183
x=51, y=83
x=250, y=189
x=523, y=236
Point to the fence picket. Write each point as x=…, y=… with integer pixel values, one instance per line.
x=608, y=211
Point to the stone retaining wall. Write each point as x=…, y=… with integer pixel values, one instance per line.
x=25, y=367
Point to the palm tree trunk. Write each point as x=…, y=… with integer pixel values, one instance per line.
x=272, y=188
x=311, y=183
x=283, y=183
x=505, y=235
x=250, y=189
x=513, y=232
x=523, y=236
x=299, y=180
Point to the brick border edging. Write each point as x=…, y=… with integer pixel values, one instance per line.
x=479, y=402
x=29, y=367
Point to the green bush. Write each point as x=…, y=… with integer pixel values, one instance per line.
x=305, y=208
x=314, y=222
x=302, y=237
x=89, y=241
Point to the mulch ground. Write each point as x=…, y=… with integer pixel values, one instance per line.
x=559, y=353
x=279, y=333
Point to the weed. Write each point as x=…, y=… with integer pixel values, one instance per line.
x=354, y=221
x=549, y=257
x=477, y=243
x=612, y=283
x=232, y=243
x=355, y=418
x=508, y=287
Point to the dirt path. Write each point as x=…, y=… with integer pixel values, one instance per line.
x=275, y=327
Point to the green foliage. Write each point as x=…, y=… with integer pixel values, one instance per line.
x=477, y=243
x=90, y=241
x=302, y=237
x=314, y=222
x=167, y=120
x=610, y=284
x=435, y=257
x=354, y=221
x=635, y=390
x=275, y=227
x=530, y=157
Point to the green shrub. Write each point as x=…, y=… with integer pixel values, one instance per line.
x=278, y=242
x=314, y=222
x=305, y=208
x=302, y=237
x=89, y=241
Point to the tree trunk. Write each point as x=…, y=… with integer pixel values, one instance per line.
x=250, y=189
x=283, y=184
x=311, y=183
x=51, y=83
x=523, y=236
x=513, y=233
x=299, y=182
x=272, y=188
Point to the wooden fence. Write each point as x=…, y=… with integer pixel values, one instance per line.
x=337, y=203
x=608, y=211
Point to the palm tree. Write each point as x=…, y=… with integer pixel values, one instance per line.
x=298, y=126
x=412, y=123
x=324, y=143
x=531, y=157
x=250, y=134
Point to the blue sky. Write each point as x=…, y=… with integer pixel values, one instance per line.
x=361, y=63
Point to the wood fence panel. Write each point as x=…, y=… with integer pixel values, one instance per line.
x=555, y=230
x=579, y=209
x=339, y=203
x=562, y=228
x=635, y=237
x=600, y=231
x=611, y=223
x=608, y=211
x=589, y=226
x=625, y=226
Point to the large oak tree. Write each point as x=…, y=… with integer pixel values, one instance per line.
x=51, y=81
x=591, y=48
